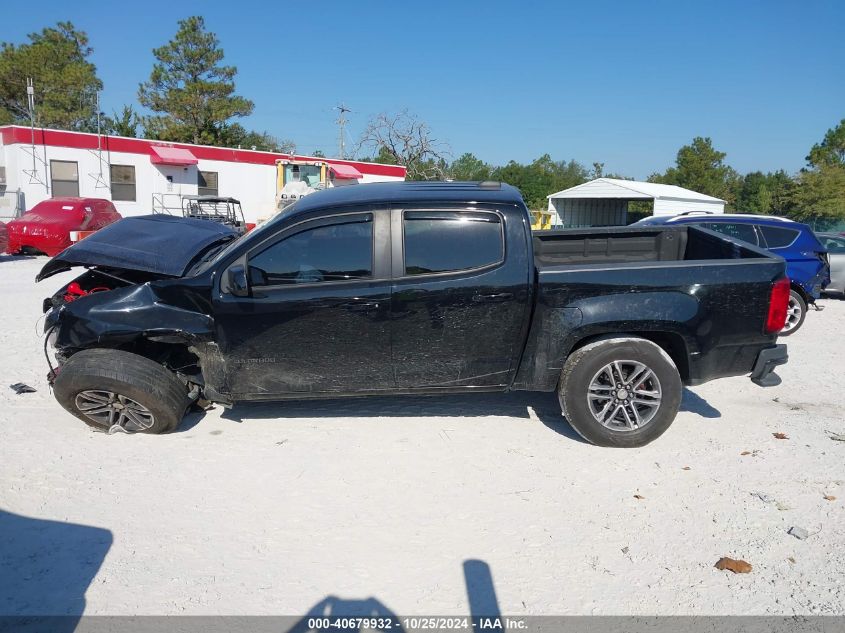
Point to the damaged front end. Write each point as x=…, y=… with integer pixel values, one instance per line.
x=139, y=302
x=96, y=311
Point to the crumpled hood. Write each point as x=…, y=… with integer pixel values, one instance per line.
x=159, y=244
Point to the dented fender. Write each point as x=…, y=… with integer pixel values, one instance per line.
x=123, y=315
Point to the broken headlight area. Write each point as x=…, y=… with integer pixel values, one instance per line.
x=94, y=281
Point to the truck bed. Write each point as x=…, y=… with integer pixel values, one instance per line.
x=636, y=244
x=705, y=296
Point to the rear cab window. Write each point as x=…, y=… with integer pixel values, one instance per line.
x=451, y=241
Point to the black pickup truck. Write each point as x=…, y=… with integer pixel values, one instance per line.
x=411, y=288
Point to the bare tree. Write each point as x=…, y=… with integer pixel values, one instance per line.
x=403, y=139
x=286, y=146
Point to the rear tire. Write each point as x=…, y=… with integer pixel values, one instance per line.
x=103, y=387
x=796, y=311
x=620, y=392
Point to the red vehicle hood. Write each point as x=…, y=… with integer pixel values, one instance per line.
x=69, y=222
x=48, y=234
x=18, y=228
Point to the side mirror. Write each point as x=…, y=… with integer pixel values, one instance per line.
x=238, y=283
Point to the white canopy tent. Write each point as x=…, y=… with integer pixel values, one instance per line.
x=604, y=202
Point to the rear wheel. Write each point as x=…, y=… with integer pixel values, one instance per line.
x=622, y=392
x=796, y=310
x=106, y=387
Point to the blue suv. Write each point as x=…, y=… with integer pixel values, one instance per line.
x=807, y=262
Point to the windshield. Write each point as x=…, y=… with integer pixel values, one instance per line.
x=54, y=209
x=309, y=174
x=257, y=234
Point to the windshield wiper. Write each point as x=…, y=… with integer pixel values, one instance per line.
x=210, y=254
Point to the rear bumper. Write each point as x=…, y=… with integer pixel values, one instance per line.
x=763, y=372
x=818, y=283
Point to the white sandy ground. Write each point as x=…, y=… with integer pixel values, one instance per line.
x=271, y=509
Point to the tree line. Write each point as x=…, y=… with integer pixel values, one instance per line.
x=816, y=194
x=190, y=93
x=190, y=97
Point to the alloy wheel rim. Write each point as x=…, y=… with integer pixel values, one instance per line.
x=107, y=408
x=793, y=314
x=624, y=395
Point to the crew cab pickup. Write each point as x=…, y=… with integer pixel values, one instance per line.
x=409, y=288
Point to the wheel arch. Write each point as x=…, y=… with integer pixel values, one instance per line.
x=171, y=351
x=670, y=342
x=794, y=285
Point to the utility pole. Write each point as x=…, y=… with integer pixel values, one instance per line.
x=30, y=100
x=33, y=173
x=99, y=180
x=99, y=131
x=341, y=122
x=99, y=114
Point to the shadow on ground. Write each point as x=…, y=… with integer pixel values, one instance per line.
x=481, y=597
x=14, y=258
x=694, y=403
x=523, y=405
x=45, y=570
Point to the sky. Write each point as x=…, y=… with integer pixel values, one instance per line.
x=622, y=83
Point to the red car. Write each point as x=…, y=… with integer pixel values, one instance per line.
x=46, y=227
x=4, y=238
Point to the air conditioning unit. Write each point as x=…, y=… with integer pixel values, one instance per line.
x=2, y=175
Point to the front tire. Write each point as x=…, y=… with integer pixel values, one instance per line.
x=796, y=311
x=107, y=387
x=620, y=392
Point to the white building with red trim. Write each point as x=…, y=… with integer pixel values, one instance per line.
x=142, y=176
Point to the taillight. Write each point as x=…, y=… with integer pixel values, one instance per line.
x=778, y=303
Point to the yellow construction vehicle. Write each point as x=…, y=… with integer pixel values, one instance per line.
x=297, y=178
x=541, y=220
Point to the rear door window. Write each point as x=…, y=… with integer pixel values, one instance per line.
x=738, y=230
x=448, y=241
x=777, y=237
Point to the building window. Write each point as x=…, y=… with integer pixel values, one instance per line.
x=123, y=182
x=64, y=178
x=207, y=183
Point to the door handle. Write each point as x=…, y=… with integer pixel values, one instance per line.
x=492, y=298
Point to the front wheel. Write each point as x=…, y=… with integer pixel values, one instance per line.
x=622, y=392
x=796, y=311
x=107, y=387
